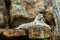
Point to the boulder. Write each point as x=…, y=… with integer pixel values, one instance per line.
x=39, y=32
x=11, y=32
x=26, y=8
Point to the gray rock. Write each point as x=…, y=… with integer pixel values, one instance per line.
x=18, y=8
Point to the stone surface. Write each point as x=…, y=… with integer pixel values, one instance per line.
x=18, y=8
x=39, y=32
x=27, y=8
x=11, y=32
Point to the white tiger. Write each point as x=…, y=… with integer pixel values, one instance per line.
x=37, y=21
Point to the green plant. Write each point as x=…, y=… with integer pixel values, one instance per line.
x=45, y=39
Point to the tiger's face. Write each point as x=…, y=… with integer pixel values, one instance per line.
x=39, y=16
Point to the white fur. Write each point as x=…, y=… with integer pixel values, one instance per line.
x=35, y=22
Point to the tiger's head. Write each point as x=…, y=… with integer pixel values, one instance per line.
x=39, y=17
